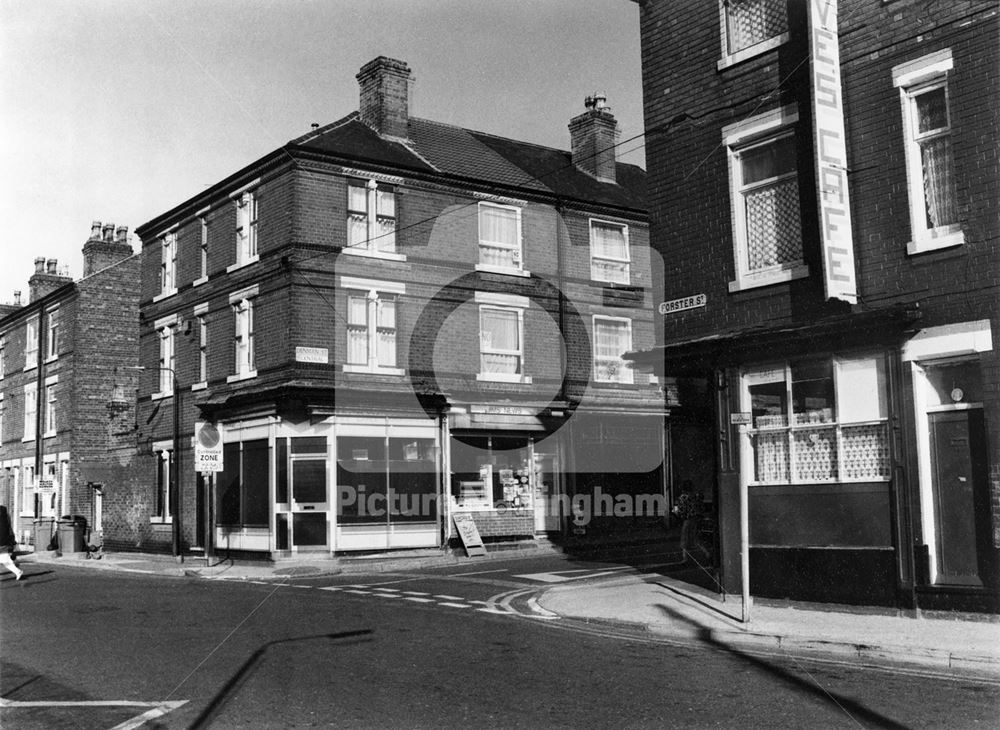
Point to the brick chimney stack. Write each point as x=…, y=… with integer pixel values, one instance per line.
x=46, y=279
x=385, y=96
x=106, y=246
x=593, y=136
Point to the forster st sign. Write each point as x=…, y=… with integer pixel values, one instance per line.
x=830, y=148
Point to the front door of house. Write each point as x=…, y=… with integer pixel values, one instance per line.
x=957, y=441
x=310, y=503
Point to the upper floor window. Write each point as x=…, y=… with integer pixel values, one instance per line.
x=246, y=228
x=371, y=217
x=242, y=303
x=167, y=335
x=923, y=86
x=50, y=424
x=30, y=411
x=53, y=334
x=612, y=339
x=500, y=237
x=609, y=252
x=1, y=419
x=3, y=357
x=31, y=342
x=818, y=420
x=372, y=325
x=751, y=26
x=202, y=320
x=767, y=230
x=202, y=250
x=168, y=263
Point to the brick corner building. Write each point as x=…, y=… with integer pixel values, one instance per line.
x=825, y=184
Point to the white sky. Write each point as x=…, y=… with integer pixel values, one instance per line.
x=117, y=110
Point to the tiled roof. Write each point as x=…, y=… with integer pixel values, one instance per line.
x=479, y=157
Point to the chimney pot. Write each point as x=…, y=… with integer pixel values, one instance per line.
x=95, y=231
x=51, y=266
x=109, y=231
x=121, y=234
x=39, y=264
x=17, y=298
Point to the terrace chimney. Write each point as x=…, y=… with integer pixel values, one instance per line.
x=385, y=96
x=46, y=279
x=593, y=136
x=105, y=247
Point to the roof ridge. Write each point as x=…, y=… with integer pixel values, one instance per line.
x=313, y=133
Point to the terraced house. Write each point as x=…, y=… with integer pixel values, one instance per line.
x=389, y=320
x=825, y=183
x=67, y=403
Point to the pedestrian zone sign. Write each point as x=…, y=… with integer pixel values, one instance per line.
x=207, y=447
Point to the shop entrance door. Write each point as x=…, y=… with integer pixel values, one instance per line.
x=310, y=504
x=957, y=440
x=547, y=491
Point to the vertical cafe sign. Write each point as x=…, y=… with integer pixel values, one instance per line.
x=830, y=148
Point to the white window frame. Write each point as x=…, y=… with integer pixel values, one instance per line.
x=373, y=245
x=168, y=264
x=164, y=467
x=166, y=331
x=202, y=247
x=2, y=413
x=833, y=422
x=50, y=423
x=626, y=374
x=31, y=326
x=52, y=334
x=517, y=248
x=374, y=292
x=201, y=322
x=247, y=213
x=738, y=138
x=507, y=303
x=595, y=257
x=244, y=346
x=30, y=412
x=3, y=356
x=913, y=78
x=729, y=58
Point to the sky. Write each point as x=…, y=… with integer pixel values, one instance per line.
x=118, y=110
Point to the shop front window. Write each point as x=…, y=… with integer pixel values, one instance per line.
x=819, y=421
x=491, y=472
x=386, y=480
x=242, y=487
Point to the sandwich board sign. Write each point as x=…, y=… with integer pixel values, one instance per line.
x=469, y=534
x=207, y=447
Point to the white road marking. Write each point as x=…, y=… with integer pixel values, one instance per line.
x=389, y=590
x=418, y=599
x=360, y=593
x=157, y=709
x=449, y=598
x=562, y=576
x=332, y=588
x=454, y=605
x=478, y=572
x=416, y=593
x=493, y=610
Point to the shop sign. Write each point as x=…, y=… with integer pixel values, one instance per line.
x=319, y=355
x=830, y=148
x=494, y=410
x=679, y=305
x=469, y=534
x=739, y=419
x=207, y=447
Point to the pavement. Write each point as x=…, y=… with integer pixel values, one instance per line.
x=664, y=607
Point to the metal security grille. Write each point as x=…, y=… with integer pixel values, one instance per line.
x=749, y=22
x=865, y=451
x=774, y=232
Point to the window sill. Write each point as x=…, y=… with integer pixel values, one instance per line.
x=613, y=383
x=504, y=378
x=933, y=241
x=242, y=264
x=30, y=367
x=753, y=51
x=241, y=376
x=348, y=368
x=767, y=278
x=365, y=253
x=502, y=270
x=609, y=283
x=27, y=439
x=160, y=521
x=49, y=434
x=50, y=360
x=164, y=295
x=199, y=282
x=199, y=386
x=161, y=396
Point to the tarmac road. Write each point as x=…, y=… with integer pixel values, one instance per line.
x=443, y=652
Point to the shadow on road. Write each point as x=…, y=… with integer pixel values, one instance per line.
x=856, y=711
x=229, y=689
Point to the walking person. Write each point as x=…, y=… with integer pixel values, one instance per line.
x=7, y=545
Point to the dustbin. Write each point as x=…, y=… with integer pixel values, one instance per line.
x=72, y=529
x=43, y=530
